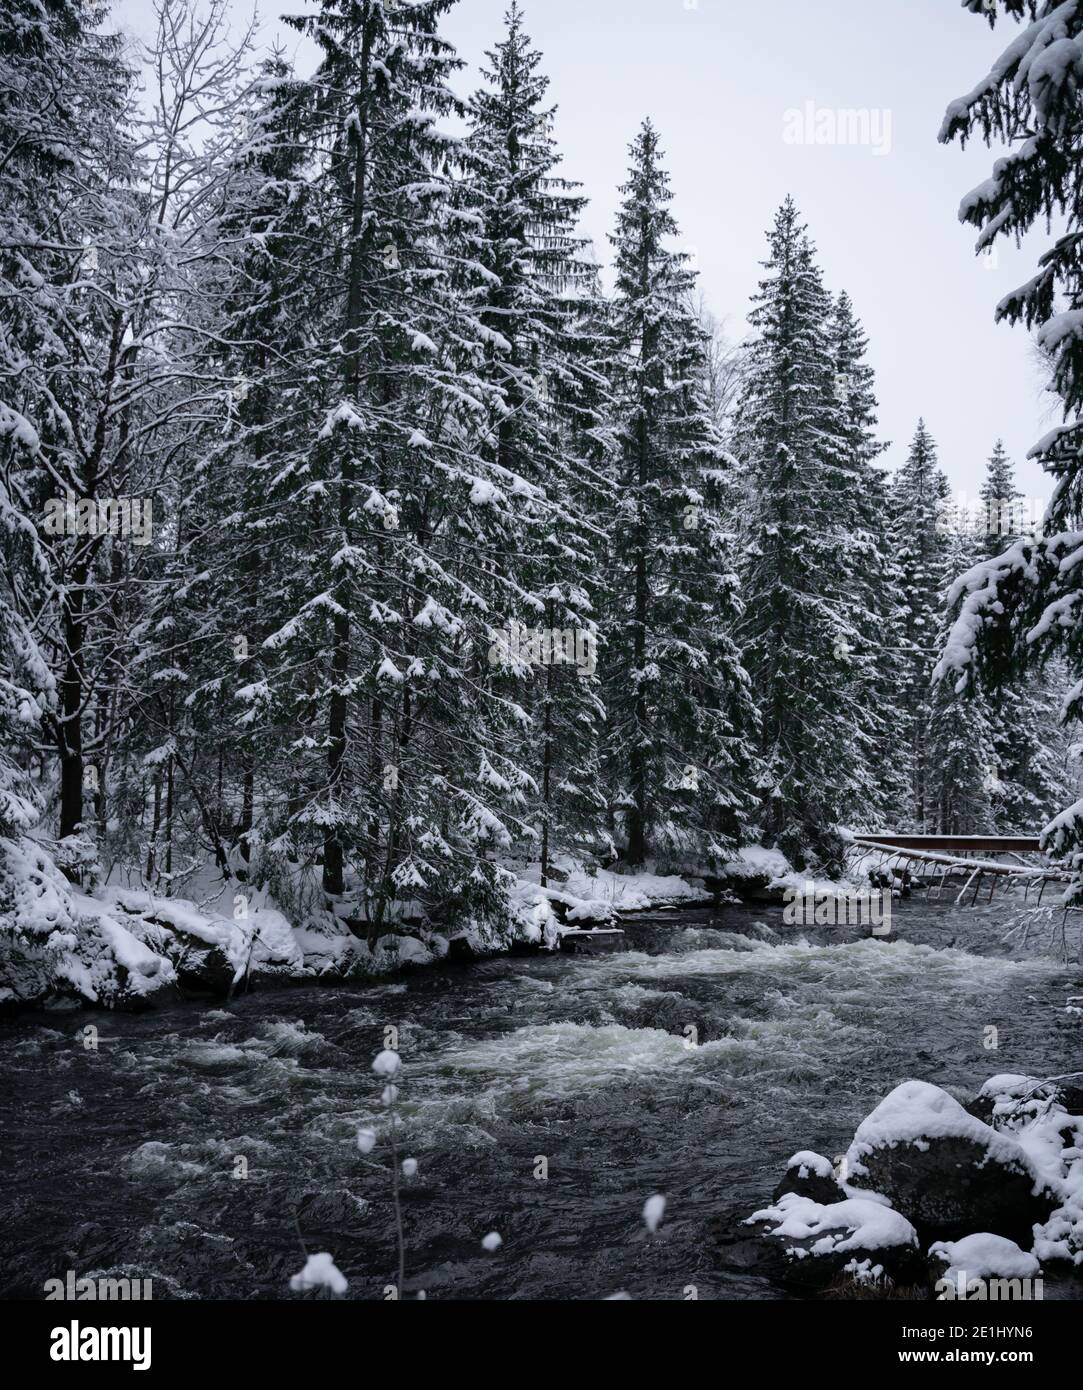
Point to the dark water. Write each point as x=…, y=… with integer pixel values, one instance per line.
x=123, y=1160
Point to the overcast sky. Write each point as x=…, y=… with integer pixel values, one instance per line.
x=718, y=77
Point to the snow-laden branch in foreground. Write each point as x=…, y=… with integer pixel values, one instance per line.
x=1013, y=603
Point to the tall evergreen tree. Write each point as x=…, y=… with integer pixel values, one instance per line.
x=1030, y=780
x=257, y=326
x=530, y=299
x=678, y=698
x=392, y=519
x=870, y=578
x=955, y=747
x=801, y=627
x=1001, y=518
x=921, y=527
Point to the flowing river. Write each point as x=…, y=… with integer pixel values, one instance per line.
x=544, y=1098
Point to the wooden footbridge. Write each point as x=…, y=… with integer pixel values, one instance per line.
x=966, y=856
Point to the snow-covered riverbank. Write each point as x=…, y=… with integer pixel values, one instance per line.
x=116, y=945
x=125, y=947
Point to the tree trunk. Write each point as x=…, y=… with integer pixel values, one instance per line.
x=333, y=856
x=71, y=726
x=547, y=760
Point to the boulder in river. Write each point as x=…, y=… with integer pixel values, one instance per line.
x=948, y=1171
x=813, y=1244
x=810, y=1175
x=1008, y=1096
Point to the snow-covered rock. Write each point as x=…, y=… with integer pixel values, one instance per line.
x=821, y=1241
x=948, y=1171
x=983, y=1256
x=810, y=1175
x=1061, y=1236
x=1009, y=1097
x=855, y=1223
x=991, y=1201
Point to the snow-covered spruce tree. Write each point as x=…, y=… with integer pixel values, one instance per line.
x=956, y=742
x=997, y=756
x=531, y=300
x=1016, y=609
x=400, y=523
x=234, y=563
x=871, y=575
x=1028, y=745
x=807, y=616
x=921, y=524
x=681, y=719
x=1001, y=519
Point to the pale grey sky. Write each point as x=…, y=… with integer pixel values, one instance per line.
x=717, y=77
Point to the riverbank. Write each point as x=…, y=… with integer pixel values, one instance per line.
x=115, y=946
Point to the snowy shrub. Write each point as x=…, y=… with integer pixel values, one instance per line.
x=55, y=940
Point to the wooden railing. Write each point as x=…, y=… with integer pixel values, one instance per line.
x=944, y=852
